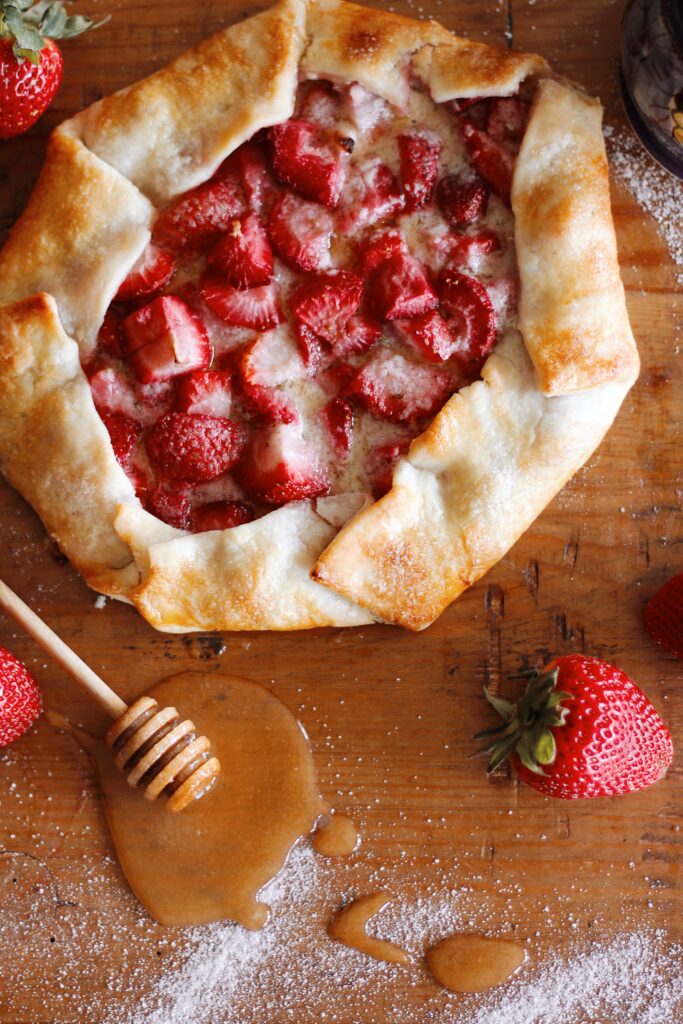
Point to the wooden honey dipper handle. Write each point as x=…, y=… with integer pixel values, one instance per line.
x=62, y=654
x=157, y=751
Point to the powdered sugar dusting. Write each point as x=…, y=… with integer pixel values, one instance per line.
x=659, y=193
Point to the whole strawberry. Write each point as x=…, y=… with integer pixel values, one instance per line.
x=20, y=701
x=581, y=729
x=663, y=617
x=30, y=62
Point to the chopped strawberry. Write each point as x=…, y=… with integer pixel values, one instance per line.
x=318, y=103
x=399, y=289
x=462, y=198
x=257, y=181
x=380, y=465
x=325, y=303
x=220, y=515
x=359, y=335
x=336, y=378
x=165, y=339
x=205, y=393
x=490, y=160
x=338, y=416
x=463, y=249
x=457, y=106
x=109, y=337
x=380, y=247
x=148, y=276
x=268, y=404
x=465, y=302
x=372, y=194
x=279, y=467
x=301, y=232
x=395, y=389
x=419, y=152
x=194, y=448
x=198, y=218
x=171, y=504
x=271, y=359
x=249, y=307
x=430, y=334
x=506, y=120
x=123, y=433
x=310, y=345
x=243, y=256
x=116, y=392
x=309, y=160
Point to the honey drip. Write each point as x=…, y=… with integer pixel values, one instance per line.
x=209, y=862
x=472, y=963
x=349, y=927
x=337, y=836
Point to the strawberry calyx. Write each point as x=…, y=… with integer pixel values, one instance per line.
x=527, y=723
x=30, y=25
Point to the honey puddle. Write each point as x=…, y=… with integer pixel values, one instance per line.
x=336, y=836
x=350, y=923
x=471, y=963
x=208, y=862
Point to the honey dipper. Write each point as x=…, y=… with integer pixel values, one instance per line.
x=159, y=753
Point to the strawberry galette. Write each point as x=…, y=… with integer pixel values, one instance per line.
x=308, y=327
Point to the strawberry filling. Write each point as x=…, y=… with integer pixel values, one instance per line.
x=298, y=318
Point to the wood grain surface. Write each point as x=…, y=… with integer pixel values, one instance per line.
x=390, y=714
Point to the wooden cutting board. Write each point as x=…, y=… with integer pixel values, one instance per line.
x=390, y=714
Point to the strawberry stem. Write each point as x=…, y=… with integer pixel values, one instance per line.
x=29, y=25
x=527, y=723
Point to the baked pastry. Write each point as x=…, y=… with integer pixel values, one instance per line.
x=308, y=327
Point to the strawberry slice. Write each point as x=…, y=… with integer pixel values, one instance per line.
x=110, y=338
x=380, y=465
x=399, y=289
x=206, y=393
x=165, y=339
x=309, y=160
x=148, y=276
x=462, y=198
x=198, y=218
x=242, y=307
x=338, y=416
x=115, y=392
x=380, y=247
x=507, y=119
x=194, y=448
x=310, y=345
x=279, y=467
x=244, y=256
x=489, y=159
x=336, y=378
x=663, y=616
x=123, y=434
x=271, y=359
x=171, y=504
x=372, y=194
x=269, y=405
x=466, y=303
x=466, y=249
x=257, y=181
x=220, y=515
x=301, y=232
x=318, y=103
x=419, y=153
x=394, y=388
x=326, y=302
x=359, y=335
x=430, y=335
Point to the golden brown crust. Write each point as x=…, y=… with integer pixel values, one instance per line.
x=493, y=458
x=572, y=309
x=169, y=132
x=82, y=229
x=54, y=447
x=462, y=68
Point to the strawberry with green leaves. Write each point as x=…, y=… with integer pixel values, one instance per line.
x=581, y=729
x=30, y=61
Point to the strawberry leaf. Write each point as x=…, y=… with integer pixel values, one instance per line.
x=26, y=37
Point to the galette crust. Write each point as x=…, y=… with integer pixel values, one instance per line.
x=493, y=457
